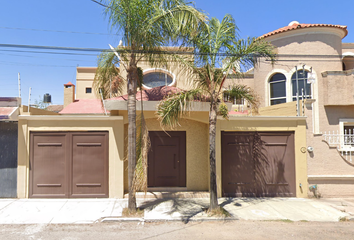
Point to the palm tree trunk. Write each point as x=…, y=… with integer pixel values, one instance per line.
x=132, y=84
x=212, y=135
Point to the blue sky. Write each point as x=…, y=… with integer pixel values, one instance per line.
x=66, y=21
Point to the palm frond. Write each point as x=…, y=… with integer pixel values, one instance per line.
x=239, y=91
x=174, y=107
x=108, y=80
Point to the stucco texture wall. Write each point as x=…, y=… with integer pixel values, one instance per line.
x=197, y=170
x=331, y=172
x=317, y=50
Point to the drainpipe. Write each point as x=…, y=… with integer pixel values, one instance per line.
x=297, y=93
x=305, y=80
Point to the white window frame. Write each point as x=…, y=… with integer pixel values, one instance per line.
x=342, y=123
x=300, y=93
x=269, y=83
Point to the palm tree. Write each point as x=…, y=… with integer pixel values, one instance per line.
x=146, y=26
x=218, y=52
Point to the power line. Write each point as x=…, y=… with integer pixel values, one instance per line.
x=54, y=48
x=63, y=53
x=19, y=55
x=123, y=50
x=58, y=31
x=35, y=65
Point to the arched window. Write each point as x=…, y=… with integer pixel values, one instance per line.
x=277, y=87
x=303, y=85
x=157, y=78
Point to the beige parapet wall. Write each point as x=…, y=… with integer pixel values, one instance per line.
x=284, y=109
x=113, y=125
x=35, y=111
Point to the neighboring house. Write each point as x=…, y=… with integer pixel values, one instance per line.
x=54, y=108
x=280, y=152
x=325, y=71
x=9, y=111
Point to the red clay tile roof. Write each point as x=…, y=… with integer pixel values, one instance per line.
x=295, y=25
x=5, y=112
x=84, y=106
x=69, y=84
x=153, y=94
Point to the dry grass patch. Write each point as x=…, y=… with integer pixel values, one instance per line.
x=138, y=213
x=219, y=212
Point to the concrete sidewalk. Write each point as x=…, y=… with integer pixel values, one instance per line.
x=75, y=211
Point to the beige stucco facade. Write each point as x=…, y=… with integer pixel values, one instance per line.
x=195, y=125
x=313, y=48
x=317, y=49
x=43, y=123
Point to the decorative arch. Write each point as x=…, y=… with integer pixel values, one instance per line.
x=348, y=60
x=157, y=77
x=277, y=89
x=269, y=96
x=302, y=80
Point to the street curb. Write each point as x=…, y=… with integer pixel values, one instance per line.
x=120, y=219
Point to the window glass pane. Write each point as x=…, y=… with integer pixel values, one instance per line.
x=277, y=77
x=277, y=90
x=157, y=79
x=88, y=90
x=302, y=81
x=349, y=135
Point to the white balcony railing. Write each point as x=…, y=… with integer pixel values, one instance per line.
x=344, y=142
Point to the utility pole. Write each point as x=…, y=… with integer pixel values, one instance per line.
x=29, y=99
x=19, y=85
x=297, y=93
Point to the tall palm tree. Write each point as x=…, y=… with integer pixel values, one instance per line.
x=146, y=26
x=218, y=52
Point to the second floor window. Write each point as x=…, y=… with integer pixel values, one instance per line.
x=303, y=85
x=277, y=89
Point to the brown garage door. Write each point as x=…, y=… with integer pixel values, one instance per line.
x=69, y=164
x=167, y=159
x=258, y=164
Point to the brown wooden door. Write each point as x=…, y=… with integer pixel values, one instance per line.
x=67, y=164
x=49, y=165
x=238, y=164
x=89, y=165
x=167, y=159
x=276, y=164
x=258, y=164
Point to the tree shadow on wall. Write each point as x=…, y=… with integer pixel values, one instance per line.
x=269, y=164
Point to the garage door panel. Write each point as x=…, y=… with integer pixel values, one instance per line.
x=269, y=162
x=279, y=175
x=48, y=166
x=89, y=165
x=69, y=164
x=238, y=168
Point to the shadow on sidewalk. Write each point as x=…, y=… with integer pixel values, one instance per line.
x=186, y=207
